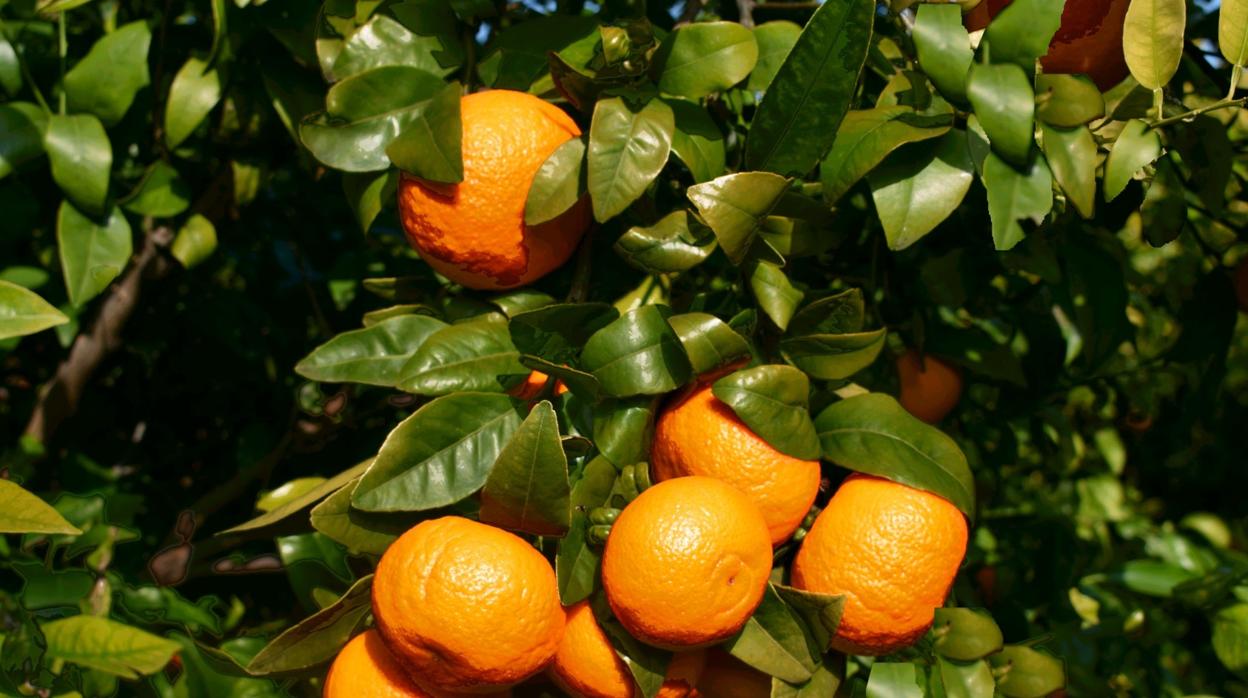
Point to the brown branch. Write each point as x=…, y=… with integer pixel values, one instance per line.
x=745, y=8
x=58, y=399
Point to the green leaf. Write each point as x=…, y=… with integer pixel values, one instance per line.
x=22, y=511
x=383, y=42
x=559, y=183
x=10, y=68
x=638, y=354
x=92, y=254
x=1230, y=636
x=775, y=40
x=894, y=680
x=469, y=356
x=735, y=205
x=1233, y=31
x=697, y=141
x=528, y=488
x=360, y=532
x=1152, y=40
x=1066, y=101
x=368, y=193
x=820, y=612
x=300, y=503
x=964, y=634
x=826, y=680
x=557, y=332
x=841, y=313
x=439, y=455
x=373, y=356
x=833, y=356
x=1021, y=32
x=1023, y=672
x=1137, y=146
x=1014, y=195
x=522, y=47
x=666, y=247
x=1152, y=577
x=1072, y=155
x=959, y=680
x=23, y=312
x=797, y=120
x=1005, y=106
x=944, y=47
x=429, y=145
x=161, y=194
x=865, y=138
x=195, y=90
x=698, y=59
x=709, y=341
x=774, y=642
x=646, y=664
x=623, y=430
x=773, y=401
x=316, y=639
x=195, y=242
x=628, y=147
x=21, y=134
x=776, y=295
x=576, y=562
x=364, y=113
x=106, y=80
x=106, y=645
x=919, y=186
x=873, y=434
x=81, y=158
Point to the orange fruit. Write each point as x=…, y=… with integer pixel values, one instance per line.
x=1241, y=284
x=474, y=232
x=532, y=386
x=686, y=563
x=587, y=666
x=366, y=669
x=467, y=607
x=893, y=551
x=700, y=435
x=728, y=677
x=1089, y=40
x=930, y=388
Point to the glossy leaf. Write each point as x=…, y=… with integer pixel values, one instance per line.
x=1137, y=146
x=301, y=503
x=833, y=356
x=92, y=254
x=944, y=47
x=1015, y=195
x=964, y=634
x=623, y=429
x=894, y=680
x=638, y=354
x=316, y=639
x=840, y=313
x=559, y=183
x=23, y=312
x=873, y=434
x=697, y=141
x=774, y=402
x=821, y=614
x=918, y=187
x=1152, y=40
x=107, y=645
x=1066, y=101
x=471, y=355
x=1023, y=672
x=776, y=295
x=735, y=205
x=557, y=332
x=965, y=680
x=628, y=146
x=21, y=134
x=522, y=47
x=774, y=642
x=705, y=57
x=709, y=341
x=81, y=158
x=429, y=144
x=1071, y=153
x=106, y=80
x=866, y=137
x=797, y=120
x=439, y=455
x=775, y=40
x=374, y=355
x=528, y=488
x=382, y=41
x=1005, y=106
x=162, y=193
x=668, y=246
x=22, y=511
x=1021, y=32
x=360, y=532
x=576, y=562
x=195, y=241
x=196, y=89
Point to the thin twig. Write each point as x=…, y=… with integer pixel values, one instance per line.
x=745, y=8
x=1224, y=104
x=581, y=273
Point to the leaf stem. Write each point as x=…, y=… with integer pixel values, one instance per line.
x=21, y=64
x=1158, y=103
x=1224, y=104
x=1237, y=71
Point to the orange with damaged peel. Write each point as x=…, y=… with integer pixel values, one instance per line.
x=473, y=232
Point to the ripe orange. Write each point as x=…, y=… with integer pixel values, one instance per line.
x=930, y=388
x=699, y=435
x=1089, y=40
x=366, y=669
x=893, y=551
x=474, y=232
x=1241, y=284
x=686, y=563
x=728, y=677
x=532, y=386
x=587, y=666
x=467, y=607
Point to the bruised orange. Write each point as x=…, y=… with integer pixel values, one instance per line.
x=726, y=676
x=474, y=232
x=700, y=435
x=686, y=563
x=893, y=551
x=366, y=669
x=587, y=666
x=467, y=607
x=930, y=387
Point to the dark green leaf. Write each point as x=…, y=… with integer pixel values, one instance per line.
x=384, y=42
x=557, y=332
x=709, y=341
x=697, y=141
x=776, y=295
x=628, y=146
x=106, y=80
x=1066, y=101
x=623, y=430
x=964, y=634
x=1005, y=107
x=865, y=138
x=196, y=89
x=469, y=356
x=1023, y=672
x=820, y=612
x=368, y=193
x=668, y=246
x=638, y=354
x=81, y=158
x=522, y=48
x=23, y=512
x=1071, y=153
x=374, y=355
x=773, y=401
x=1015, y=195
x=558, y=184
x=1021, y=32
x=774, y=642
x=428, y=145
x=698, y=59
x=647, y=664
x=21, y=134
x=528, y=488
x=775, y=41
x=735, y=205
x=92, y=254
x=106, y=645
x=833, y=356
x=23, y=312
x=944, y=47
x=918, y=187
x=576, y=562
x=1137, y=146
x=841, y=313
x=316, y=639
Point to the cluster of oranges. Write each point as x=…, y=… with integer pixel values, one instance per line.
x=464, y=608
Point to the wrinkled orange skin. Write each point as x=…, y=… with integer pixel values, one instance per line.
x=893, y=551
x=587, y=666
x=467, y=607
x=686, y=563
x=700, y=435
x=728, y=677
x=532, y=386
x=366, y=669
x=1089, y=40
x=474, y=232
x=1241, y=285
x=930, y=388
